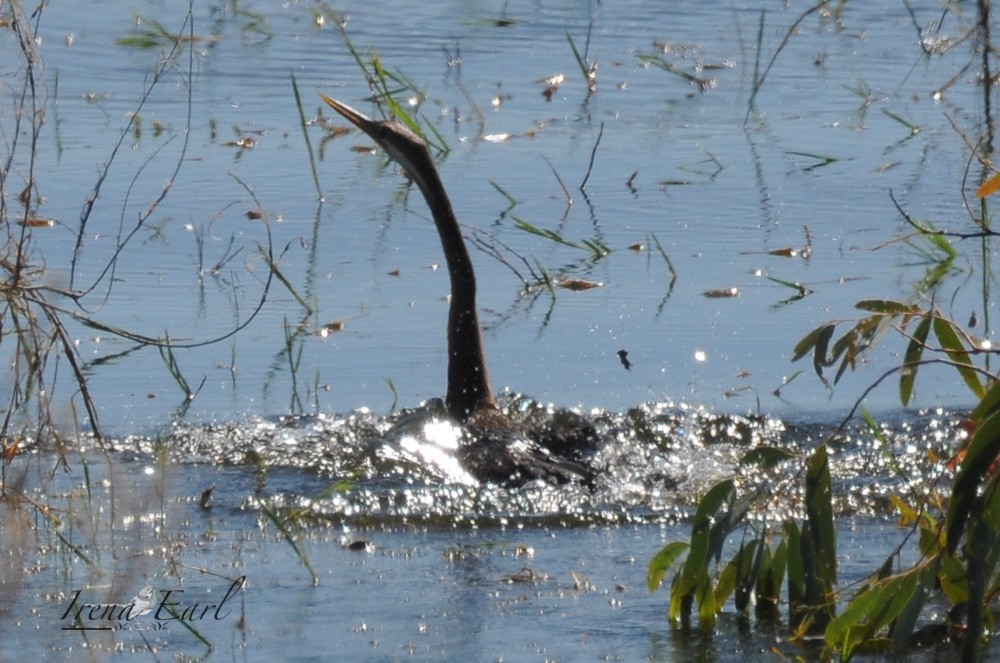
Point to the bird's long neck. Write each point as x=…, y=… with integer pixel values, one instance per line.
x=469, y=389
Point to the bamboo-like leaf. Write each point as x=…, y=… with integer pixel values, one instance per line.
x=696, y=565
x=680, y=604
x=885, y=570
x=941, y=243
x=857, y=612
x=661, y=563
x=981, y=453
x=873, y=609
x=988, y=405
x=808, y=342
x=819, y=513
x=819, y=354
x=948, y=338
x=931, y=537
x=726, y=582
x=706, y=601
x=906, y=621
x=796, y=575
x=886, y=306
x=914, y=351
x=854, y=342
x=770, y=577
x=756, y=556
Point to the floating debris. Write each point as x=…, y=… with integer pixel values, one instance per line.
x=39, y=222
x=725, y=292
x=552, y=85
x=579, y=284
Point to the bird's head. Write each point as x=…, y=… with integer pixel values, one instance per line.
x=402, y=145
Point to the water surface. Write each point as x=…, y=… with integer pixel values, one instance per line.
x=851, y=109
x=719, y=188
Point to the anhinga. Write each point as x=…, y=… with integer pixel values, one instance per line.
x=470, y=400
x=470, y=395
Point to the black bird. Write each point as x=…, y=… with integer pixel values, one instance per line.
x=491, y=453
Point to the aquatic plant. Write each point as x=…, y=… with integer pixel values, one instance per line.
x=952, y=524
x=48, y=401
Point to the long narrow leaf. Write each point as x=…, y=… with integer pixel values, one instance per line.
x=291, y=539
x=661, y=563
x=914, y=351
x=808, y=342
x=696, y=565
x=769, y=580
x=980, y=455
x=819, y=512
x=886, y=306
x=949, y=340
x=988, y=405
x=906, y=621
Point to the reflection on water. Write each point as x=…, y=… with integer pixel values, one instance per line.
x=413, y=561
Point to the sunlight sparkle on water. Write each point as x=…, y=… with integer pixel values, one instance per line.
x=437, y=448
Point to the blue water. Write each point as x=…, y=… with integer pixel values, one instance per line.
x=718, y=184
x=366, y=256
x=521, y=593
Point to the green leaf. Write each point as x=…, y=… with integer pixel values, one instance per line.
x=988, y=405
x=678, y=604
x=292, y=539
x=808, y=342
x=661, y=563
x=941, y=242
x=945, y=331
x=796, y=572
x=931, y=540
x=769, y=579
x=872, y=609
x=706, y=601
x=738, y=576
x=819, y=354
x=982, y=451
x=858, y=611
x=696, y=565
x=854, y=342
x=886, y=306
x=819, y=513
x=906, y=621
x=726, y=582
x=914, y=351
x=527, y=227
